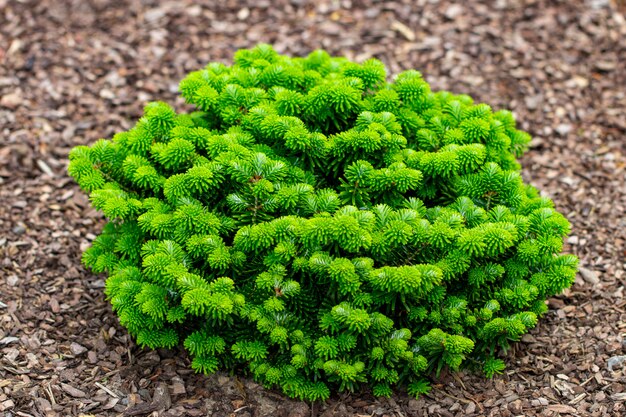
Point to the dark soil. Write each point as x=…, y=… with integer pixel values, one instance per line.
x=74, y=71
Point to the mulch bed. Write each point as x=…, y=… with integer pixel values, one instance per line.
x=75, y=71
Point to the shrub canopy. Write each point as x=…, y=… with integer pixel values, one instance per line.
x=323, y=228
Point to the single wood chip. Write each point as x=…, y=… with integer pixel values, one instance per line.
x=74, y=392
x=562, y=408
x=403, y=29
x=589, y=276
x=161, y=397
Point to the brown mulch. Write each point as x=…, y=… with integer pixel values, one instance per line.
x=74, y=71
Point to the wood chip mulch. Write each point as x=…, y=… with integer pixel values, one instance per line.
x=74, y=71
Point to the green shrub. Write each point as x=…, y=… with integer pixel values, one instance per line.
x=323, y=228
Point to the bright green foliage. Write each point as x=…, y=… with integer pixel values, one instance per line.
x=322, y=227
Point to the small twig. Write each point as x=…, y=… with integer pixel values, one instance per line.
x=521, y=376
x=459, y=381
x=12, y=370
x=578, y=398
x=50, y=394
x=587, y=381
x=107, y=390
x=463, y=400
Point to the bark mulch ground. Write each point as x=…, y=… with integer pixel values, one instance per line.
x=75, y=71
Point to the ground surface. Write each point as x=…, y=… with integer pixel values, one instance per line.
x=73, y=72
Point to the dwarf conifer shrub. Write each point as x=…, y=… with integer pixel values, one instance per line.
x=323, y=228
